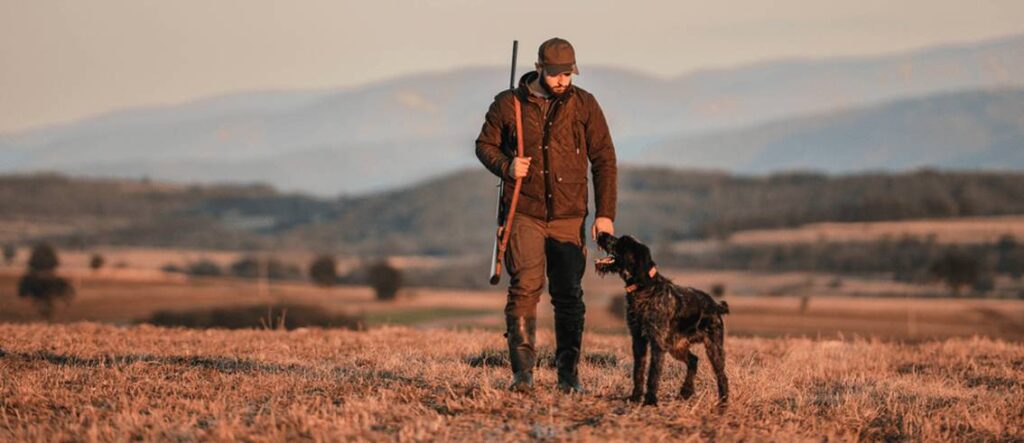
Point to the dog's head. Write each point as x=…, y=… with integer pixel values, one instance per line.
x=626, y=256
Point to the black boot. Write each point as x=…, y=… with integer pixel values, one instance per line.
x=568, y=339
x=522, y=353
x=566, y=264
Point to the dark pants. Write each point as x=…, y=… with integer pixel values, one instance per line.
x=556, y=248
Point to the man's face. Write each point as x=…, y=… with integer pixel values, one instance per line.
x=557, y=83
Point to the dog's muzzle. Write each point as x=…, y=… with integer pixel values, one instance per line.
x=604, y=265
x=605, y=243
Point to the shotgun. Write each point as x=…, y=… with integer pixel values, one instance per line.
x=504, y=218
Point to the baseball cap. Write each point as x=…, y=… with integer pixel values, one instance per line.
x=557, y=56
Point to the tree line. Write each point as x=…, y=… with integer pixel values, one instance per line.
x=907, y=258
x=453, y=215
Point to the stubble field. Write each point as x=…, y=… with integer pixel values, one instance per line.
x=871, y=359
x=93, y=382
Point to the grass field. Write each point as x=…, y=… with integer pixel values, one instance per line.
x=93, y=382
x=810, y=357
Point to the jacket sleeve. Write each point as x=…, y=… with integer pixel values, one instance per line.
x=489, y=143
x=601, y=152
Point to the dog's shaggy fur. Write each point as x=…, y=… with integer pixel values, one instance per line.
x=665, y=317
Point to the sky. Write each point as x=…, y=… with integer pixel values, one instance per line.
x=62, y=60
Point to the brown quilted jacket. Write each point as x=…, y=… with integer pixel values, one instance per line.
x=577, y=134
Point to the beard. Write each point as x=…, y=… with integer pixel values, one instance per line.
x=552, y=92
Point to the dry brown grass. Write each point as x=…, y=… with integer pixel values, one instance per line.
x=957, y=230
x=92, y=382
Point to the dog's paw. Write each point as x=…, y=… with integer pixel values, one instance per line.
x=686, y=392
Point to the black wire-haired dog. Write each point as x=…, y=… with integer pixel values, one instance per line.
x=664, y=316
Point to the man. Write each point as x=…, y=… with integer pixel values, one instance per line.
x=564, y=129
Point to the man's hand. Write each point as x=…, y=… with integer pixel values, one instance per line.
x=602, y=224
x=519, y=167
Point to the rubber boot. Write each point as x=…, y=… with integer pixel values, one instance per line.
x=522, y=352
x=568, y=339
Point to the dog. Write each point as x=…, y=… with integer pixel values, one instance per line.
x=665, y=317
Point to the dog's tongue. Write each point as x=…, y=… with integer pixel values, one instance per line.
x=605, y=260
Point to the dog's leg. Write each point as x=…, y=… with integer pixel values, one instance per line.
x=714, y=343
x=654, y=373
x=640, y=344
x=691, y=371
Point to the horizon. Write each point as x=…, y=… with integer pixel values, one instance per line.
x=448, y=175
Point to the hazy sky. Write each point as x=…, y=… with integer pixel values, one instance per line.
x=62, y=60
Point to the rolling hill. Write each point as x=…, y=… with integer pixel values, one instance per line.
x=402, y=130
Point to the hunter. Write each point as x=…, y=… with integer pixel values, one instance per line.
x=564, y=130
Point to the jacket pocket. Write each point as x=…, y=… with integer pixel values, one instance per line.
x=570, y=196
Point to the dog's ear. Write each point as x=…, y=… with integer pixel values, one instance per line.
x=641, y=261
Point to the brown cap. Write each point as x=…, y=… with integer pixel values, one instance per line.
x=557, y=56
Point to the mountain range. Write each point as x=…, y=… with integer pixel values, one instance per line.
x=948, y=107
x=958, y=130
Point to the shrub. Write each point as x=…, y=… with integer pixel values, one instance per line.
x=204, y=267
x=1010, y=257
x=96, y=262
x=956, y=269
x=249, y=267
x=984, y=284
x=171, y=267
x=324, y=270
x=43, y=258
x=385, y=280
x=10, y=251
x=718, y=289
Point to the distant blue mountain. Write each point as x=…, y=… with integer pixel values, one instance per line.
x=961, y=130
x=397, y=131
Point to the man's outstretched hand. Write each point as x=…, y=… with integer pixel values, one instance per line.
x=602, y=224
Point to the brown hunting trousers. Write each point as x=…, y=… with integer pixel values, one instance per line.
x=555, y=248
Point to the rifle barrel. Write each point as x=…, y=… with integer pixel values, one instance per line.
x=515, y=51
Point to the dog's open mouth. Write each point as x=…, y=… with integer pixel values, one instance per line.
x=603, y=265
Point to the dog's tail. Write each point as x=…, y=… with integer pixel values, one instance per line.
x=723, y=307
